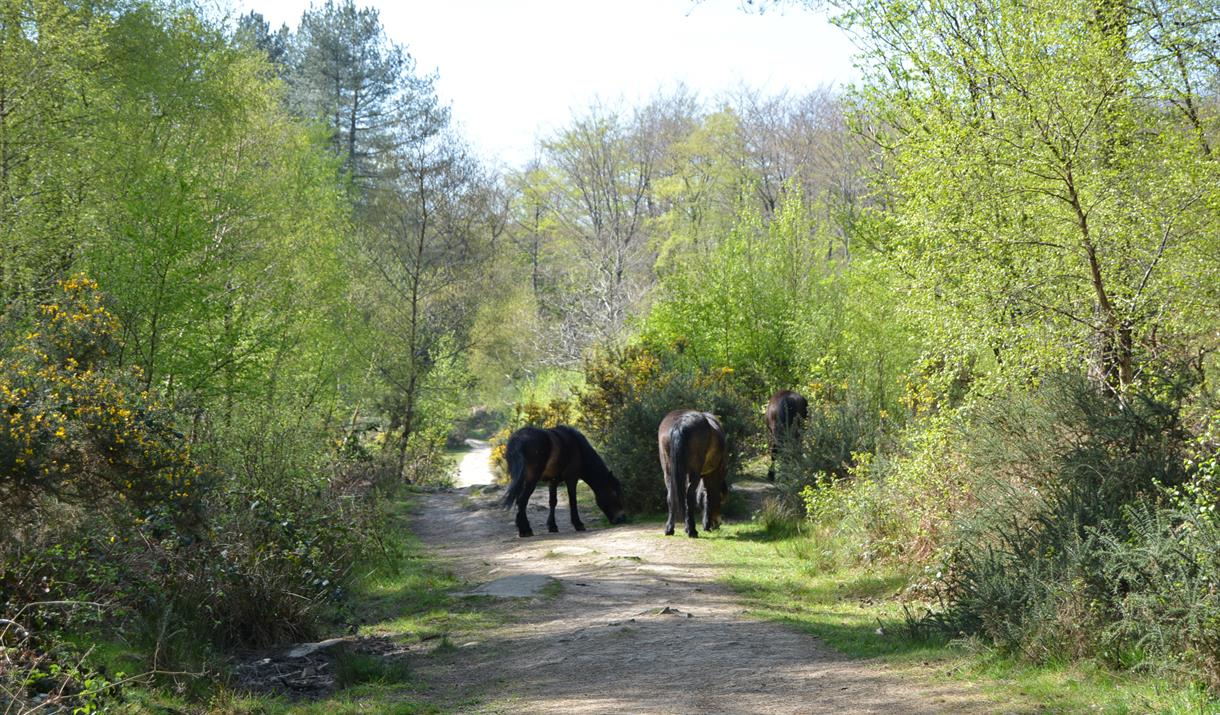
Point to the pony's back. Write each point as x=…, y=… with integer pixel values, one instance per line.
x=594, y=466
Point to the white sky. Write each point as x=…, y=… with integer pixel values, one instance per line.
x=515, y=70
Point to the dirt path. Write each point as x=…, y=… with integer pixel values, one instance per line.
x=475, y=469
x=638, y=626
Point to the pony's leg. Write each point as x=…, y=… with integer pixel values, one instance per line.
x=692, y=500
x=576, y=522
x=771, y=470
x=523, y=522
x=673, y=498
x=714, y=498
x=669, y=493
x=551, y=526
x=704, y=497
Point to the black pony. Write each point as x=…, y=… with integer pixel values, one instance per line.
x=693, y=462
x=785, y=412
x=554, y=455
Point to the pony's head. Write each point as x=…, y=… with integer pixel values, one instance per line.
x=711, y=507
x=610, y=499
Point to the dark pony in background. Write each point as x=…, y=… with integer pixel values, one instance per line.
x=555, y=455
x=785, y=412
x=694, y=461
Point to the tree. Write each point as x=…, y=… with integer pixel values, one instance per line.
x=803, y=142
x=345, y=72
x=254, y=31
x=212, y=204
x=534, y=223
x=429, y=231
x=50, y=95
x=606, y=164
x=1051, y=192
x=701, y=190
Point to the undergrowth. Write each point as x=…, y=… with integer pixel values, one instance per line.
x=807, y=577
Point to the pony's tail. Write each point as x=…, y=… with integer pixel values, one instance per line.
x=677, y=472
x=784, y=420
x=515, y=456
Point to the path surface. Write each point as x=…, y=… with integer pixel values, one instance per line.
x=475, y=469
x=639, y=626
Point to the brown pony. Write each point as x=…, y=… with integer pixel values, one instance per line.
x=693, y=459
x=555, y=455
x=784, y=414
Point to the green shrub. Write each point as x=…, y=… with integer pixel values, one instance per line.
x=895, y=488
x=1073, y=549
x=778, y=519
x=1164, y=577
x=424, y=463
x=896, y=496
x=833, y=437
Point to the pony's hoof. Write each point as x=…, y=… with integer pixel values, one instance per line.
x=526, y=532
x=552, y=528
x=578, y=527
x=669, y=532
x=693, y=534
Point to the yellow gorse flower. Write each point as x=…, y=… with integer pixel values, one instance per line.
x=51, y=381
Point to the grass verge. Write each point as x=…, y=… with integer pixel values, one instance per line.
x=788, y=575
x=400, y=593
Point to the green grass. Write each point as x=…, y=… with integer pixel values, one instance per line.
x=788, y=576
x=107, y=656
x=408, y=600
x=353, y=669
x=411, y=597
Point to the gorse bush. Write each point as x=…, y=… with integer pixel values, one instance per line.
x=1060, y=521
x=75, y=429
x=1163, y=575
x=629, y=391
x=1067, y=547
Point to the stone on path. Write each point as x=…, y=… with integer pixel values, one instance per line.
x=305, y=650
x=522, y=586
x=663, y=570
x=571, y=551
x=665, y=611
